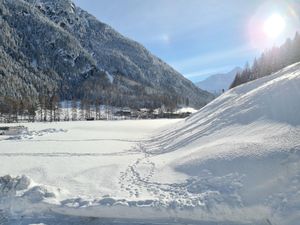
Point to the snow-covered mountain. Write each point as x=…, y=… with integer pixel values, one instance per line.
x=217, y=82
x=53, y=46
x=234, y=162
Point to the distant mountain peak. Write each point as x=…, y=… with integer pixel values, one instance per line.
x=217, y=82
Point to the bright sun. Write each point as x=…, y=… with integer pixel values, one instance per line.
x=274, y=26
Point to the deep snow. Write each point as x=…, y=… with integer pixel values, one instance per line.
x=236, y=161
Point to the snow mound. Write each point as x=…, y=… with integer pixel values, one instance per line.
x=10, y=186
x=23, y=187
x=244, y=146
x=273, y=99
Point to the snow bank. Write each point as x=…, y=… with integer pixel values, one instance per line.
x=273, y=99
x=21, y=196
x=246, y=143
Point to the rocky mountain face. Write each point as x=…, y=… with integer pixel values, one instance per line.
x=52, y=47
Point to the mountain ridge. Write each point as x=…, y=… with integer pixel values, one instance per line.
x=78, y=56
x=217, y=82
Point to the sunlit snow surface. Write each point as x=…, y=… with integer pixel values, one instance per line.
x=236, y=161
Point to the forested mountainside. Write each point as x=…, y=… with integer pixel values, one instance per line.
x=270, y=61
x=55, y=50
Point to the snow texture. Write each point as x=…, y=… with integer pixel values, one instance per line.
x=234, y=162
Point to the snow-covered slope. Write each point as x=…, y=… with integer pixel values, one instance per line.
x=234, y=162
x=217, y=82
x=244, y=147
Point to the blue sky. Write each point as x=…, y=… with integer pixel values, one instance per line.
x=197, y=37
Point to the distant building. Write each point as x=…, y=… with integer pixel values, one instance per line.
x=123, y=112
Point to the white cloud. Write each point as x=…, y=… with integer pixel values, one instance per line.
x=165, y=38
x=162, y=38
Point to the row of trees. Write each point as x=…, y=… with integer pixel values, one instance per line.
x=270, y=61
x=49, y=107
x=16, y=109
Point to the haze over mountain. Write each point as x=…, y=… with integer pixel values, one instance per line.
x=217, y=82
x=54, y=47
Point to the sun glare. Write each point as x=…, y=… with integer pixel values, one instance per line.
x=274, y=26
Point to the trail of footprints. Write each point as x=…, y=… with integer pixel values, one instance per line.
x=134, y=183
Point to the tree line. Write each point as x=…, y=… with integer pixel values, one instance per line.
x=50, y=108
x=270, y=61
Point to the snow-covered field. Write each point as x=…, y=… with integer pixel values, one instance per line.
x=236, y=161
x=81, y=158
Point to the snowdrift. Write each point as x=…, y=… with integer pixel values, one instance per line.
x=244, y=146
x=270, y=100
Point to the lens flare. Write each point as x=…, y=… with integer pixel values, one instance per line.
x=272, y=23
x=274, y=26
